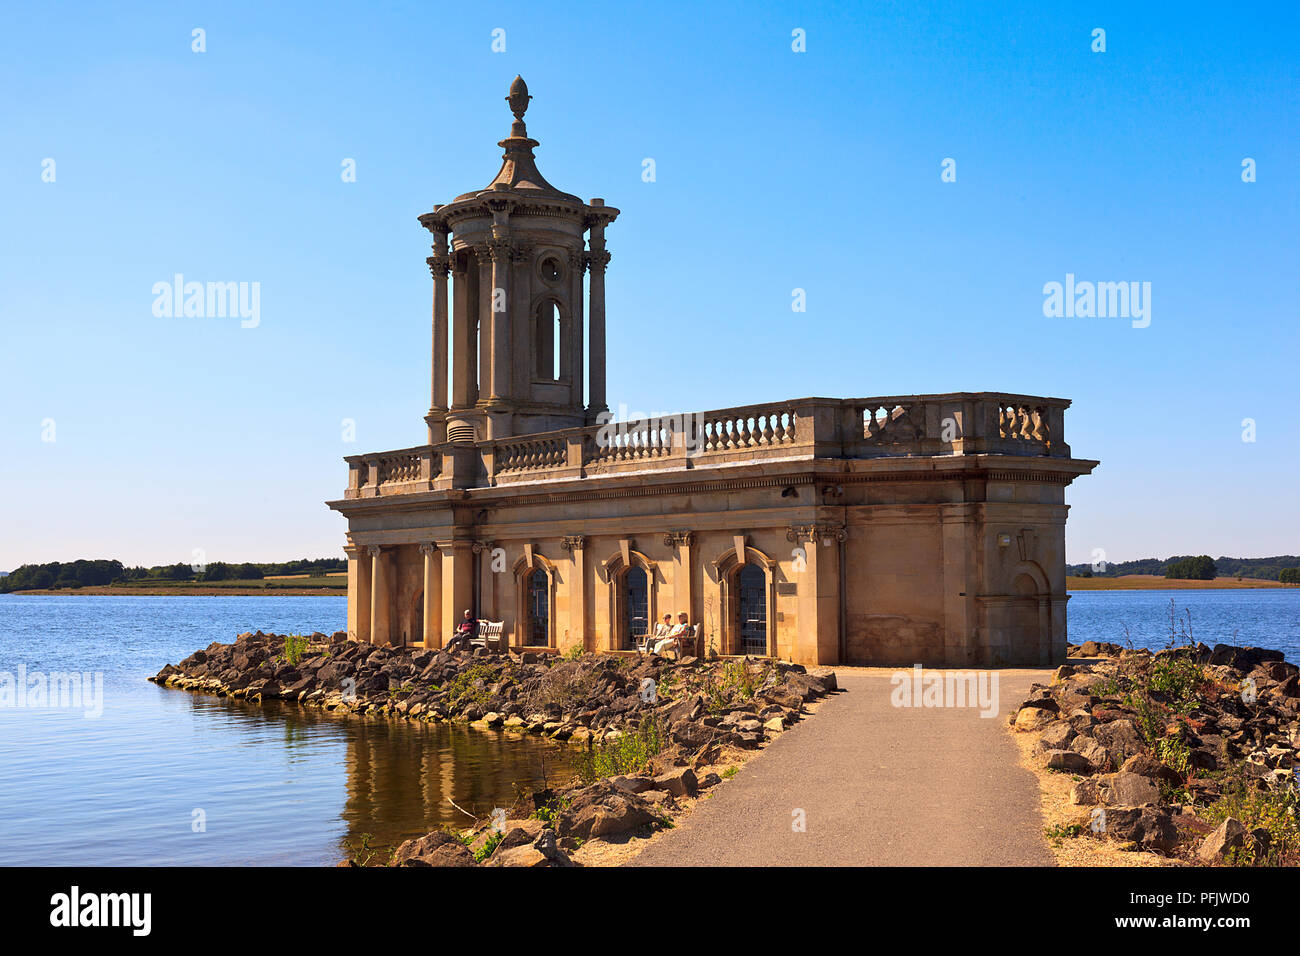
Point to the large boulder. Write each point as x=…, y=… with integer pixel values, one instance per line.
x=1086, y=792
x=1120, y=737
x=826, y=676
x=542, y=851
x=1243, y=659
x=680, y=782
x=1229, y=836
x=603, y=810
x=1097, y=757
x=1033, y=718
x=1151, y=828
x=634, y=784
x=1131, y=790
x=1057, y=735
x=438, y=848
x=1068, y=760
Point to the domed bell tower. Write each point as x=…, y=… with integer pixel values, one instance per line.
x=512, y=347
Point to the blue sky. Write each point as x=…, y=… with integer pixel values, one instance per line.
x=775, y=170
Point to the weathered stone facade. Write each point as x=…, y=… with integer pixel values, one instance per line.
x=902, y=529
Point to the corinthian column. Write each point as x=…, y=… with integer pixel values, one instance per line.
x=576, y=328
x=596, y=260
x=463, y=351
x=483, y=315
x=379, y=603
x=432, y=626
x=500, y=319
x=439, y=264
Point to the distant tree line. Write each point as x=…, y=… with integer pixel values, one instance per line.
x=77, y=574
x=1268, y=569
x=1199, y=568
x=1289, y=576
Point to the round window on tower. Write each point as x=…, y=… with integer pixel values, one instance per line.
x=551, y=269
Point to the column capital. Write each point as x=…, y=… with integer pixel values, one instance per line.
x=480, y=546
x=573, y=542
x=428, y=549
x=439, y=265
x=812, y=532
x=596, y=261
x=674, y=539
x=374, y=550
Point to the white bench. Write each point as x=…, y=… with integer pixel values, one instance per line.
x=488, y=634
x=691, y=637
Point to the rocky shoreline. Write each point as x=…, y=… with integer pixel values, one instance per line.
x=1190, y=752
x=651, y=733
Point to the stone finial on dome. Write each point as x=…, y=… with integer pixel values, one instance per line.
x=518, y=164
x=518, y=100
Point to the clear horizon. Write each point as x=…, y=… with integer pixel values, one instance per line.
x=775, y=170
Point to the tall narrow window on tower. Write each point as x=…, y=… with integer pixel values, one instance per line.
x=556, y=351
x=548, y=340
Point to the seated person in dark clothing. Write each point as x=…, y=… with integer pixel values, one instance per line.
x=465, y=632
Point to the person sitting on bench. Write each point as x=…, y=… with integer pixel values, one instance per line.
x=465, y=632
x=672, y=641
x=662, y=630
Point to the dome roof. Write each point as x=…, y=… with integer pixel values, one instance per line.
x=518, y=165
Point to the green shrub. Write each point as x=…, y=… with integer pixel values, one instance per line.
x=1273, y=810
x=485, y=851
x=295, y=646
x=462, y=686
x=1179, y=677
x=1175, y=754
x=628, y=754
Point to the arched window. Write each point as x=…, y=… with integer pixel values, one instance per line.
x=636, y=605
x=539, y=611
x=751, y=610
x=547, y=342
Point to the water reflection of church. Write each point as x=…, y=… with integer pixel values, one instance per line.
x=405, y=778
x=895, y=529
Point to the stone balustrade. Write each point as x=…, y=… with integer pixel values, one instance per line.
x=957, y=423
x=403, y=471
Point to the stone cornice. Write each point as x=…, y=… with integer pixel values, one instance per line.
x=615, y=486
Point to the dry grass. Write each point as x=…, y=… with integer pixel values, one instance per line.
x=1154, y=582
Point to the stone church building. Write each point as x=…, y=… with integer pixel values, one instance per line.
x=898, y=529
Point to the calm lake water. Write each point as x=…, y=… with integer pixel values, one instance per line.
x=1260, y=618
x=275, y=783
x=279, y=784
